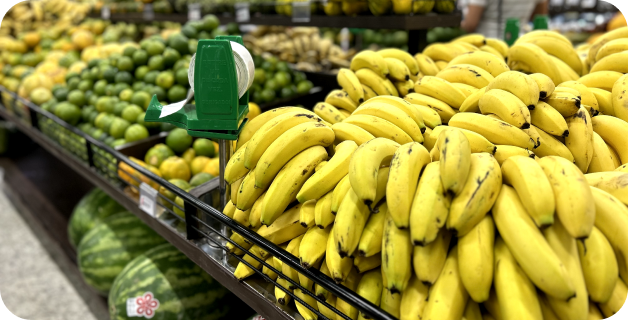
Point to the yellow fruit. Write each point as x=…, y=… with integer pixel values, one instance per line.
x=131, y=176
x=212, y=167
x=254, y=110
x=198, y=164
x=175, y=168
x=82, y=39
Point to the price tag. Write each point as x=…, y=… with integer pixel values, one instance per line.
x=243, y=14
x=105, y=13
x=344, y=39
x=148, y=13
x=301, y=11
x=148, y=199
x=194, y=11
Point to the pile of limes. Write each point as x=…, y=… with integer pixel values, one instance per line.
x=275, y=80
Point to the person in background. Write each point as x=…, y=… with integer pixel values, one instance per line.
x=488, y=17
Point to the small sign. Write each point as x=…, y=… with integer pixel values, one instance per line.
x=148, y=13
x=243, y=14
x=194, y=11
x=344, y=39
x=301, y=11
x=142, y=306
x=105, y=13
x=148, y=199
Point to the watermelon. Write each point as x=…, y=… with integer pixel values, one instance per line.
x=106, y=249
x=93, y=208
x=182, y=289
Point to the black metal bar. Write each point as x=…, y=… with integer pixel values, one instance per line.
x=191, y=224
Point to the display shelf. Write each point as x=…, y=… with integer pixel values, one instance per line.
x=201, y=233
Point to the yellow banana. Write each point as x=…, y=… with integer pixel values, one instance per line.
x=235, y=169
x=440, y=89
x=313, y=246
x=367, y=160
x=331, y=300
x=270, y=273
x=613, y=62
x=546, y=118
x=620, y=106
x=323, y=216
x=339, y=193
x=394, y=116
x=413, y=300
x=477, y=142
x=544, y=33
x=455, y=160
x=339, y=267
x=498, y=45
x=487, y=61
x=448, y=297
x=617, y=299
x=599, y=266
x=507, y=106
x=234, y=190
x=242, y=271
x=229, y=209
x=429, y=115
x=341, y=100
x=475, y=39
x=400, y=104
x=503, y=153
x=493, y=51
x=380, y=128
x=580, y=139
x=374, y=81
x=321, y=292
x=428, y=260
x=404, y=87
x=496, y=131
x=306, y=214
x=370, y=288
x=350, y=84
x=560, y=49
x=371, y=239
x=430, y=207
x=545, y=84
x=346, y=131
x=611, y=47
x=363, y=264
x=328, y=113
x=444, y=110
x=605, y=100
x=396, y=256
x=283, y=298
x=471, y=103
x=426, y=64
x=530, y=58
x=615, y=183
x=240, y=241
x=601, y=79
x=368, y=92
x=242, y=217
x=587, y=97
x=467, y=74
x=251, y=127
x=614, y=131
x=247, y=193
x=286, y=271
x=519, y=84
x=368, y=59
x=439, y=51
x=285, y=228
x=566, y=104
x=475, y=258
x=305, y=312
x=390, y=302
x=398, y=70
x=551, y=146
x=602, y=158
x=403, y=56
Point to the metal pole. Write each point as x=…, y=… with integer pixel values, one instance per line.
x=224, y=155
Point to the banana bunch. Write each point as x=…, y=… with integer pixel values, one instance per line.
x=607, y=53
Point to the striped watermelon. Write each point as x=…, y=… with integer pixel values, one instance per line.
x=93, y=208
x=106, y=249
x=182, y=289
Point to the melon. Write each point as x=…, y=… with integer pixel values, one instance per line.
x=91, y=209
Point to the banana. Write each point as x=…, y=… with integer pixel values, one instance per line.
x=503, y=153
x=471, y=103
x=242, y=217
x=390, y=302
x=351, y=283
x=491, y=63
x=475, y=259
x=615, y=155
x=426, y=64
x=620, y=106
x=321, y=292
x=587, y=97
x=439, y=51
x=574, y=205
x=288, y=181
x=405, y=168
x=287, y=146
x=235, y=169
x=393, y=115
x=492, y=306
x=306, y=214
x=350, y=84
x=430, y=207
x=560, y=49
x=567, y=251
x=429, y=115
x=545, y=84
x=242, y=271
x=496, y=131
x=323, y=216
x=529, y=247
x=569, y=90
x=506, y=106
x=339, y=193
x=346, y=131
x=238, y=239
x=612, y=47
x=370, y=288
x=610, y=217
x=368, y=59
x=617, y=299
x=428, y=260
x=548, y=313
x=605, y=101
x=283, y=298
x=313, y=247
x=403, y=56
x=328, y=113
x=229, y=209
x=478, y=194
x=398, y=70
x=493, y=51
x=328, y=177
x=251, y=127
x=466, y=89
x=381, y=86
x=529, y=58
x=440, y=89
x=521, y=85
x=614, y=182
x=533, y=188
x=580, y=139
x=428, y=142
x=594, y=312
x=467, y=74
x=379, y=128
x=413, y=300
x=544, y=34
x=286, y=271
x=404, y=87
x=396, y=256
x=256, y=212
x=614, y=131
x=247, y=193
x=566, y=104
x=455, y=160
x=304, y=311
x=444, y=110
x=546, y=118
x=331, y=300
x=234, y=190
x=613, y=62
x=400, y=104
x=371, y=239
x=270, y=273
x=515, y=292
x=368, y=92
x=448, y=297
x=341, y=100
x=601, y=79
x=285, y=228
x=339, y=267
x=599, y=266
x=475, y=39
x=602, y=159
x=270, y=131
x=320, y=166
x=550, y=146
x=498, y=45
x=367, y=160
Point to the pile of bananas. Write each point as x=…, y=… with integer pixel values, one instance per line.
x=528, y=173
x=301, y=45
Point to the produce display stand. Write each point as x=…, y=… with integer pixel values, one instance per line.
x=199, y=233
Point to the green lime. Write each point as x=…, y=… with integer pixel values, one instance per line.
x=103, y=120
x=119, y=107
x=126, y=94
x=141, y=72
x=283, y=79
x=269, y=66
x=260, y=76
x=71, y=75
x=73, y=83
x=298, y=77
x=61, y=94
x=178, y=42
x=92, y=100
x=159, y=92
x=177, y=93
x=282, y=66
x=131, y=112
x=268, y=95
x=118, y=142
x=138, y=86
x=86, y=74
x=200, y=178
x=95, y=73
x=192, y=45
x=119, y=87
x=77, y=98
x=204, y=147
x=97, y=134
x=151, y=76
x=155, y=48
x=135, y=132
x=156, y=63
x=165, y=79
x=118, y=127
x=140, y=57
x=181, y=64
x=124, y=77
x=304, y=87
x=99, y=87
x=141, y=99
x=209, y=23
x=85, y=85
x=92, y=117
x=110, y=89
x=109, y=74
x=272, y=85
x=93, y=63
x=105, y=105
x=203, y=35
x=178, y=140
x=287, y=92
x=129, y=51
x=189, y=31
x=171, y=56
x=125, y=64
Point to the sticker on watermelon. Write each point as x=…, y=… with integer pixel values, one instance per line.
x=142, y=306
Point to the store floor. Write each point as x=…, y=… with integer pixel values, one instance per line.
x=37, y=279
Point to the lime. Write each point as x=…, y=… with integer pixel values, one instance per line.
x=125, y=64
x=159, y=92
x=181, y=64
x=135, y=132
x=171, y=196
x=151, y=76
x=165, y=79
x=131, y=112
x=99, y=87
x=149, y=125
x=188, y=155
x=105, y=104
x=138, y=86
x=287, y=92
x=203, y=35
x=77, y=98
x=61, y=94
x=200, y=178
x=92, y=117
x=93, y=63
x=178, y=140
x=103, y=121
x=268, y=95
x=177, y=93
x=118, y=128
x=157, y=154
x=189, y=31
x=95, y=73
x=298, y=77
x=141, y=99
x=140, y=57
x=181, y=76
x=129, y=51
x=178, y=42
x=40, y=95
x=283, y=79
x=109, y=74
x=171, y=56
x=282, y=66
x=304, y=87
x=272, y=85
x=110, y=89
x=155, y=48
x=260, y=76
x=118, y=142
x=126, y=94
x=233, y=28
x=73, y=83
x=85, y=85
x=124, y=77
x=204, y=147
x=269, y=66
x=119, y=107
x=97, y=134
x=156, y=63
x=70, y=75
x=86, y=112
x=198, y=164
x=119, y=87
x=192, y=45
x=209, y=22
x=92, y=100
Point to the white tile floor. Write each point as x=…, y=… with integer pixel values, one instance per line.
x=32, y=285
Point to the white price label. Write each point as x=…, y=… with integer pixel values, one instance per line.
x=148, y=13
x=148, y=199
x=243, y=14
x=301, y=11
x=194, y=11
x=344, y=39
x=105, y=13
